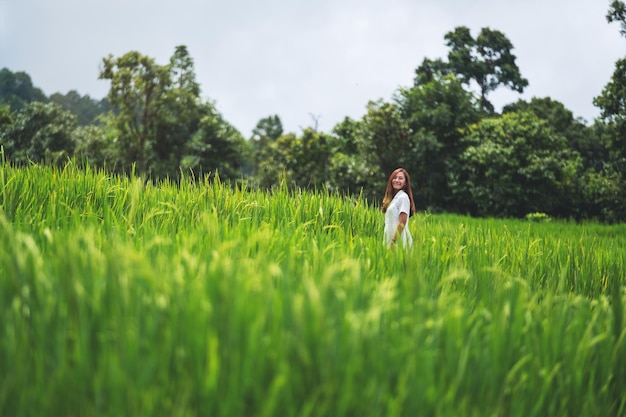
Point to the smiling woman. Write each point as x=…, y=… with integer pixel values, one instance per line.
x=398, y=206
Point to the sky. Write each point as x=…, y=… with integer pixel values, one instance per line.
x=312, y=63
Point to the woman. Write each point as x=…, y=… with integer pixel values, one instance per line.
x=398, y=206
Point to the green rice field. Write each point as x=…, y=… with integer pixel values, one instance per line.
x=120, y=297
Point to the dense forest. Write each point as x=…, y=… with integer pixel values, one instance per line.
x=534, y=158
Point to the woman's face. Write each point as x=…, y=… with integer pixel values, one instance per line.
x=398, y=181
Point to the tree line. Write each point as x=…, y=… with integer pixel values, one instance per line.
x=464, y=157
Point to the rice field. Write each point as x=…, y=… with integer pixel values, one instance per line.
x=120, y=297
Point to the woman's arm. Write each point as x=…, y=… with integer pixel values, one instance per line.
x=402, y=219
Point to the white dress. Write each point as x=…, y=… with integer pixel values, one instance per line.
x=399, y=204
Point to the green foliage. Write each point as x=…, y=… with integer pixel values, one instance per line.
x=266, y=132
x=17, y=90
x=311, y=157
x=538, y=217
x=6, y=119
x=86, y=109
x=94, y=147
x=580, y=137
x=157, y=127
x=137, y=94
x=487, y=60
x=386, y=143
x=612, y=100
x=617, y=13
x=437, y=113
x=301, y=161
x=555, y=113
x=179, y=118
x=268, y=129
x=603, y=196
x=350, y=173
x=430, y=70
x=516, y=165
x=121, y=297
x=161, y=124
x=347, y=136
x=612, y=103
x=215, y=147
x=40, y=132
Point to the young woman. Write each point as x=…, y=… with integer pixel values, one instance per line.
x=398, y=206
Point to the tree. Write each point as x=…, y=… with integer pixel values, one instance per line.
x=383, y=144
x=94, y=147
x=17, y=90
x=137, y=93
x=158, y=112
x=515, y=165
x=348, y=170
x=579, y=136
x=310, y=159
x=386, y=141
x=437, y=114
x=617, y=13
x=217, y=147
x=612, y=104
x=347, y=136
x=276, y=162
x=6, y=119
x=303, y=161
x=180, y=116
x=266, y=132
x=86, y=109
x=429, y=70
x=268, y=129
x=40, y=131
x=604, y=185
x=603, y=198
x=612, y=99
x=487, y=60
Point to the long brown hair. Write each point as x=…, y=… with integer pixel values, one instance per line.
x=390, y=192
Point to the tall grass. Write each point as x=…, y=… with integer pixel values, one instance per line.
x=121, y=297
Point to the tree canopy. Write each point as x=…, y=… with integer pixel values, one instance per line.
x=17, y=90
x=617, y=13
x=462, y=155
x=487, y=59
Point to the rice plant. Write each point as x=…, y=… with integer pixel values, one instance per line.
x=120, y=296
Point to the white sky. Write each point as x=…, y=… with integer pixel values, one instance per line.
x=309, y=60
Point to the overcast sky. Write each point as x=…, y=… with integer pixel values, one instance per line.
x=309, y=61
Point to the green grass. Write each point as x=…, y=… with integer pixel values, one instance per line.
x=121, y=298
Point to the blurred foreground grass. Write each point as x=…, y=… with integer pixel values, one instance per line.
x=125, y=298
